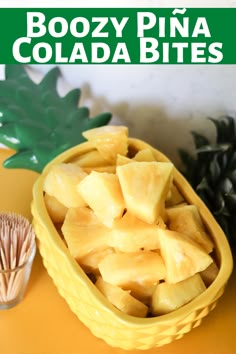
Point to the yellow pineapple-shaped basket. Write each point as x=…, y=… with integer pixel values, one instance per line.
x=85, y=300
x=39, y=124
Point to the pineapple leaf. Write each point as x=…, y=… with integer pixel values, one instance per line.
x=213, y=148
x=72, y=98
x=232, y=176
x=38, y=123
x=189, y=161
x=199, y=140
x=13, y=71
x=186, y=158
x=212, y=173
x=49, y=82
x=232, y=162
x=226, y=186
x=214, y=169
x=204, y=186
x=220, y=205
x=231, y=200
x=225, y=129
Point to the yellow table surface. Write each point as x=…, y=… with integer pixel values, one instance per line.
x=44, y=324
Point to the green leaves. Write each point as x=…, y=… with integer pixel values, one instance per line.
x=199, y=140
x=225, y=129
x=38, y=123
x=212, y=173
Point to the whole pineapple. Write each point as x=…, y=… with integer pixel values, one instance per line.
x=212, y=173
x=38, y=123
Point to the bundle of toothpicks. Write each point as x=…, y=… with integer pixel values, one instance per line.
x=17, y=241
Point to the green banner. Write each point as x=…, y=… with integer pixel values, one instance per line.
x=118, y=36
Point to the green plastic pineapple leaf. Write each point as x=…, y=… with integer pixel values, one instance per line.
x=212, y=173
x=38, y=123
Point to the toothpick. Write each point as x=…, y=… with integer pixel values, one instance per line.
x=16, y=244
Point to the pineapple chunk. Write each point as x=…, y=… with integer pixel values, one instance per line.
x=169, y=297
x=145, y=155
x=61, y=182
x=122, y=160
x=109, y=141
x=108, y=168
x=90, y=261
x=210, y=273
x=141, y=156
x=174, y=197
x=128, y=269
x=83, y=232
x=182, y=256
x=143, y=293
x=91, y=158
x=161, y=222
x=145, y=186
x=122, y=299
x=130, y=234
x=56, y=210
x=103, y=194
x=187, y=220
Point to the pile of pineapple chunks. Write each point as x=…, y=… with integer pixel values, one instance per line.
x=129, y=228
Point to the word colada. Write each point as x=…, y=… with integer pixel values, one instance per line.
x=141, y=37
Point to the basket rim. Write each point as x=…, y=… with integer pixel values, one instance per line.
x=209, y=296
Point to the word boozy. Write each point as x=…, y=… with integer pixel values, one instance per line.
x=116, y=40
